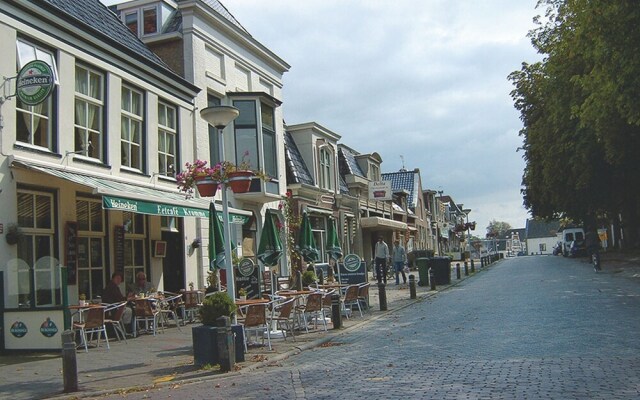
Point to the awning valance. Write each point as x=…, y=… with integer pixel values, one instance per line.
x=125, y=196
x=382, y=223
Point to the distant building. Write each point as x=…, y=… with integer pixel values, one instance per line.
x=541, y=236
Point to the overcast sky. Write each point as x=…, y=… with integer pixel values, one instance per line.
x=421, y=79
x=425, y=80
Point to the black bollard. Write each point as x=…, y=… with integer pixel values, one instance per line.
x=321, y=276
x=458, y=270
x=466, y=269
x=482, y=262
x=473, y=267
x=336, y=311
x=226, y=344
x=382, y=295
x=412, y=287
x=69, y=363
x=432, y=279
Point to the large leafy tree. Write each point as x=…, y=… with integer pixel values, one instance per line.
x=579, y=108
x=497, y=228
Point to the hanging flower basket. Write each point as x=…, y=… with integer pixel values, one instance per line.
x=240, y=181
x=207, y=187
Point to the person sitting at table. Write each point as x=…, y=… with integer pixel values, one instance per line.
x=140, y=286
x=112, y=294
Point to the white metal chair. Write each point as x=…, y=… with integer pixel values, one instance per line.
x=169, y=308
x=351, y=298
x=256, y=320
x=144, y=312
x=312, y=308
x=282, y=315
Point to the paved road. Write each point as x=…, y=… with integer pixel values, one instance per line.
x=528, y=328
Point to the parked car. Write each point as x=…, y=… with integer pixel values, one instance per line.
x=573, y=238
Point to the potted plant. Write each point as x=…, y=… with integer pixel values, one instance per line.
x=309, y=277
x=205, y=339
x=82, y=300
x=13, y=234
x=242, y=293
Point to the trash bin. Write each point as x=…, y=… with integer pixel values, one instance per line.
x=441, y=268
x=423, y=271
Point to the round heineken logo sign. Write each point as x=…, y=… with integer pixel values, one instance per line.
x=246, y=266
x=34, y=83
x=352, y=262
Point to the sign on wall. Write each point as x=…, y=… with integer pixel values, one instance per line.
x=34, y=83
x=380, y=190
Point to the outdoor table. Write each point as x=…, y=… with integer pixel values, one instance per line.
x=79, y=310
x=248, y=302
x=293, y=293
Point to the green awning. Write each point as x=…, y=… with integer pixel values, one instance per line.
x=139, y=199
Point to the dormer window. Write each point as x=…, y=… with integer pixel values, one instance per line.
x=149, y=18
x=374, y=172
x=325, y=174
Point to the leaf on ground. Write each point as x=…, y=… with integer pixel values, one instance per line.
x=162, y=379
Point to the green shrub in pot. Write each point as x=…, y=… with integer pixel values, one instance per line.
x=214, y=306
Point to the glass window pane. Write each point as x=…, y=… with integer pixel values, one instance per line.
x=43, y=212
x=247, y=143
x=247, y=112
x=150, y=21
x=270, y=154
x=138, y=252
x=82, y=215
x=131, y=21
x=96, y=216
x=83, y=252
x=25, y=210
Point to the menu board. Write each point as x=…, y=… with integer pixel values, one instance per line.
x=247, y=276
x=118, y=240
x=71, y=251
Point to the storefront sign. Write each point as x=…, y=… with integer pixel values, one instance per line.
x=150, y=208
x=352, y=270
x=118, y=238
x=18, y=329
x=71, y=251
x=34, y=83
x=352, y=262
x=380, y=190
x=33, y=330
x=48, y=328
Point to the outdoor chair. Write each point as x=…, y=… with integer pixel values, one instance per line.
x=327, y=302
x=282, y=315
x=311, y=308
x=169, y=308
x=256, y=320
x=351, y=299
x=363, y=295
x=115, y=312
x=192, y=300
x=145, y=312
x=93, y=323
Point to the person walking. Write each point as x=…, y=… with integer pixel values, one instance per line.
x=399, y=258
x=381, y=254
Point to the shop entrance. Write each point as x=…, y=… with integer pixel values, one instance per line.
x=172, y=263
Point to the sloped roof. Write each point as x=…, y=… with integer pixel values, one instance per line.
x=348, y=163
x=174, y=24
x=407, y=180
x=92, y=16
x=297, y=171
x=541, y=229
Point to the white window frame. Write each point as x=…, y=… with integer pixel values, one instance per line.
x=167, y=138
x=85, y=100
x=325, y=158
x=131, y=147
x=91, y=235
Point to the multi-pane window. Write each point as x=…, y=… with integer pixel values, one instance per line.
x=34, y=124
x=374, y=172
x=134, y=249
x=319, y=228
x=325, y=169
x=246, y=133
x=90, y=250
x=167, y=138
x=89, y=106
x=269, y=140
x=214, y=136
x=41, y=285
x=131, y=128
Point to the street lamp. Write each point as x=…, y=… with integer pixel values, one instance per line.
x=220, y=117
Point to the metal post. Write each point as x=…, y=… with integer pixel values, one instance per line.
x=382, y=295
x=482, y=262
x=321, y=276
x=473, y=267
x=69, y=363
x=226, y=344
x=466, y=269
x=412, y=286
x=336, y=311
x=432, y=279
x=458, y=270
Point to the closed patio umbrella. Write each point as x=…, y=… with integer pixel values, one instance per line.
x=216, y=240
x=333, y=244
x=270, y=246
x=306, y=242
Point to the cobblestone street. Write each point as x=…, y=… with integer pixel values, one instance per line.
x=529, y=327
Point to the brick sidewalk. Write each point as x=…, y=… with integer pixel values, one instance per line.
x=167, y=358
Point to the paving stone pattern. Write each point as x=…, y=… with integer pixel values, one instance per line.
x=527, y=328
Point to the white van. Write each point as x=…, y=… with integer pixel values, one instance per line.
x=569, y=235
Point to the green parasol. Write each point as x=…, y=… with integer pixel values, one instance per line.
x=306, y=242
x=270, y=247
x=216, y=240
x=333, y=245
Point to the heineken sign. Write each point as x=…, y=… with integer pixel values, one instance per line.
x=34, y=83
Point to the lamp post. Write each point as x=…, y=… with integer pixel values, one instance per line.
x=220, y=117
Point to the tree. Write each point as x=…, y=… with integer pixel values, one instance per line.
x=497, y=228
x=581, y=123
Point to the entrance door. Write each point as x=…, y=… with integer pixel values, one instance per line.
x=172, y=264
